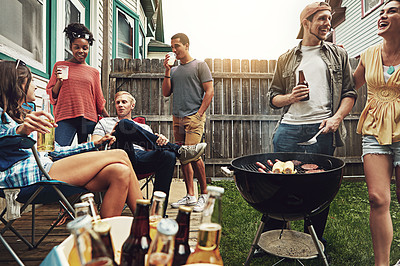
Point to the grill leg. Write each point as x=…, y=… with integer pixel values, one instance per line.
x=315, y=240
x=254, y=245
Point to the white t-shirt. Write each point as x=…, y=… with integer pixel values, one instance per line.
x=317, y=108
x=107, y=124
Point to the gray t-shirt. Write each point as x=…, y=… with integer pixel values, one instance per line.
x=186, y=84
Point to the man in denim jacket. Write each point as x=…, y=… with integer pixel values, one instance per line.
x=330, y=88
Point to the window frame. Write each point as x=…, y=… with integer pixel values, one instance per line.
x=120, y=6
x=7, y=52
x=364, y=12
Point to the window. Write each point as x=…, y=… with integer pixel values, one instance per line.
x=72, y=14
x=23, y=31
x=126, y=37
x=72, y=11
x=369, y=5
x=141, y=45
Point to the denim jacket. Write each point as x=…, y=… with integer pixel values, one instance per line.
x=340, y=79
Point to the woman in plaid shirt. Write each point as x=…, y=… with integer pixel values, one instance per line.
x=109, y=171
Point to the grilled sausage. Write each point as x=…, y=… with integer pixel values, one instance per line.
x=270, y=163
x=261, y=165
x=261, y=170
x=314, y=171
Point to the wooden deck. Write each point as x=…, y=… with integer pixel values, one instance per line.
x=45, y=214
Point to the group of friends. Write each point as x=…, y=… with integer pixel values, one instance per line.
x=332, y=87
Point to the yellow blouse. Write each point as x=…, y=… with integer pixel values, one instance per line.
x=381, y=115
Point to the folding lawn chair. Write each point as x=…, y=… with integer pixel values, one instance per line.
x=43, y=192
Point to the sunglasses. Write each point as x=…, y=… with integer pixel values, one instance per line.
x=85, y=36
x=19, y=62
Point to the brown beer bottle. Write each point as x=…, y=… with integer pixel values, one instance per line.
x=182, y=248
x=103, y=230
x=303, y=81
x=138, y=242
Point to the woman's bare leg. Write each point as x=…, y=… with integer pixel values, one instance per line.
x=378, y=172
x=397, y=173
x=109, y=171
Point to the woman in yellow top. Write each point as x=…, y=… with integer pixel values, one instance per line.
x=380, y=125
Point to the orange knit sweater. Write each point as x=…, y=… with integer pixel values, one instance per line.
x=80, y=94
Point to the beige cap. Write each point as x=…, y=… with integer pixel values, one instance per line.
x=308, y=11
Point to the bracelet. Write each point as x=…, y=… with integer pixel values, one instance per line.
x=168, y=77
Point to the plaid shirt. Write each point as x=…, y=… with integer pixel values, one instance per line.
x=26, y=172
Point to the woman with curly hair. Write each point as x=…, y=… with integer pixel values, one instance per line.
x=106, y=171
x=78, y=99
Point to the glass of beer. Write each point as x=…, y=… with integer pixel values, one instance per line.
x=45, y=142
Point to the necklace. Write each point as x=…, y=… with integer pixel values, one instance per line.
x=391, y=68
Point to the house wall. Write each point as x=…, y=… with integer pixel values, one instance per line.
x=131, y=4
x=357, y=33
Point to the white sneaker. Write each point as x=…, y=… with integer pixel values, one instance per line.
x=190, y=153
x=201, y=203
x=185, y=201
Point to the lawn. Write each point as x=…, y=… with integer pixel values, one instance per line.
x=347, y=230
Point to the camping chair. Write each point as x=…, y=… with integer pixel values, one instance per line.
x=148, y=176
x=43, y=192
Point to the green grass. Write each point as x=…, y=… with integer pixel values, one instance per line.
x=347, y=230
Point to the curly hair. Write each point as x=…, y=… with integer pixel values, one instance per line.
x=12, y=93
x=77, y=30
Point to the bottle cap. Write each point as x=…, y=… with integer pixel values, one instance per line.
x=143, y=202
x=160, y=194
x=81, y=205
x=80, y=222
x=167, y=227
x=220, y=190
x=185, y=208
x=87, y=196
x=101, y=227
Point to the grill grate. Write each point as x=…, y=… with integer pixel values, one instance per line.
x=254, y=168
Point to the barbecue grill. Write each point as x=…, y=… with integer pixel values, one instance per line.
x=288, y=197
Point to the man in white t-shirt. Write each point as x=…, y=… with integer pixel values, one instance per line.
x=148, y=152
x=331, y=95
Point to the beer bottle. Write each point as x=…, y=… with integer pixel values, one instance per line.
x=156, y=212
x=182, y=248
x=303, y=81
x=137, y=244
x=81, y=209
x=89, y=198
x=207, y=248
x=161, y=249
x=90, y=248
x=103, y=229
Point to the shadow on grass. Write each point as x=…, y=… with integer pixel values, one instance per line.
x=347, y=230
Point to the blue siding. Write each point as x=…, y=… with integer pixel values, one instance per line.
x=357, y=33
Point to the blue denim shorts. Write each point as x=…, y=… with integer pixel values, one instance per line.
x=371, y=146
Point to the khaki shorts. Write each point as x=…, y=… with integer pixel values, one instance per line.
x=188, y=130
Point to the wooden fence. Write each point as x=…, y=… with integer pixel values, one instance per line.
x=239, y=119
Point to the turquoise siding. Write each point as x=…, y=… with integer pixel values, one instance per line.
x=357, y=33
